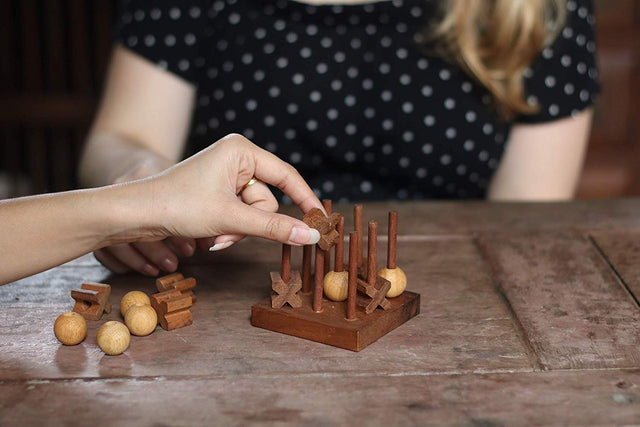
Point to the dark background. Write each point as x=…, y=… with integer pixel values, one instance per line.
x=53, y=55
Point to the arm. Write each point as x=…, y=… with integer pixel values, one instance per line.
x=543, y=161
x=141, y=124
x=140, y=129
x=196, y=198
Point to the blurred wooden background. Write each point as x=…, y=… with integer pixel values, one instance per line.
x=53, y=55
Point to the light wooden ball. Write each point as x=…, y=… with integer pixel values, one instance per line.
x=113, y=338
x=133, y=298
x=70, y=328
x=397, y=278
x=141, y=320
x=336, y=285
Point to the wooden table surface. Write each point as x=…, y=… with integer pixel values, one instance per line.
x=529, y=315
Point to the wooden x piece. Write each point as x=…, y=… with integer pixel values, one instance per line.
x=92, y=300
x=326, y=226
x=376, y=293
x=286, y=293
x=172, y=308
x=178, y=282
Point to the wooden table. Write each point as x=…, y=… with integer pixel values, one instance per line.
x=529, y=315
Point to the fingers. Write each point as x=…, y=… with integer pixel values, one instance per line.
x=244, y=219
x=204, y=243
x=109, y=261
x=258, y=196
x=126, y=255
x=224, y=241
x=185, y=245
x=270, y=169
x=158, y=254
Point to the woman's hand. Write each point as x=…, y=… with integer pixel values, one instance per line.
x=147, y=257
x=205, y=196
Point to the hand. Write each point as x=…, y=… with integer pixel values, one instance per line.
x=203, y=195
x=148, y=258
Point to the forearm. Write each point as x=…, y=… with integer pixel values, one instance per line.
x=40, y=232
x=108, y=157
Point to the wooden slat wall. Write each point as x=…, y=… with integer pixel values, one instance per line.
x=53, y=54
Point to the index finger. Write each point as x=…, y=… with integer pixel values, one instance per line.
x=275, y=171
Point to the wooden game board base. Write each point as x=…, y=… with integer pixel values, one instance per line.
x=330, y=326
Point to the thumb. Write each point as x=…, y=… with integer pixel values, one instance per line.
x=273, y=226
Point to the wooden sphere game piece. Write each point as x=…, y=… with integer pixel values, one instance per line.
x=141, y=320
x=133, y=298
x=70, y=328
x=113, y=338
x=336, y=285
x=397, y=278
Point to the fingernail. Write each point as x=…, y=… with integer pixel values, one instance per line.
x=168, y=265
x=150, y=270
x=188, y=250
x=220, y=246
x=304, y=236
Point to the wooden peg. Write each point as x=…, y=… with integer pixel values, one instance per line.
x=372, y=252
x=92, y=300
x=306, y=268
x=336, y=282
x=172, y=308
x=353, y=275
x=286, y=263
x=326, y=203
x=318, y=280
x=392, y=244
x=374, y=287
x=392, y=272
x=357, y=221
x=338, y=265
x=177, y=281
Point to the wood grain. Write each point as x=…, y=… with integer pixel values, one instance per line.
x=486, y=399
x=572, y=308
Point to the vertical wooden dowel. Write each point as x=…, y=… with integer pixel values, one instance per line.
x=353, y=275
x=339, y=255
x=318, y=280
x=393, y=240
x=372, y=251
x=326, y=203
x=357, y=222
x=286, y=263
x=306, y=268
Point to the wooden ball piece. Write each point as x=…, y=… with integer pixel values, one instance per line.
x=397, y=278
x=133, y=298
x=141, y=320
x=336, y=285
x=113, y=338
x=70, y=328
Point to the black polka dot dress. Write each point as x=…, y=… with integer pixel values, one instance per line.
x=348, y=94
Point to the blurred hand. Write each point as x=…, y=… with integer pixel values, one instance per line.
x=148, y=258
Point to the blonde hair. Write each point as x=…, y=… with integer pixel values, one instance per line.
x=496, y=40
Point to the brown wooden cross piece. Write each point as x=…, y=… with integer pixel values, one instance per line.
x=326, y=226
x=286, y=293
x=92, y=300
x=376, y=293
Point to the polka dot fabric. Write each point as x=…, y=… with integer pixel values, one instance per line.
x=348, y=94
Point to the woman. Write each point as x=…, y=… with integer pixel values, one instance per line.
x=398, y=99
